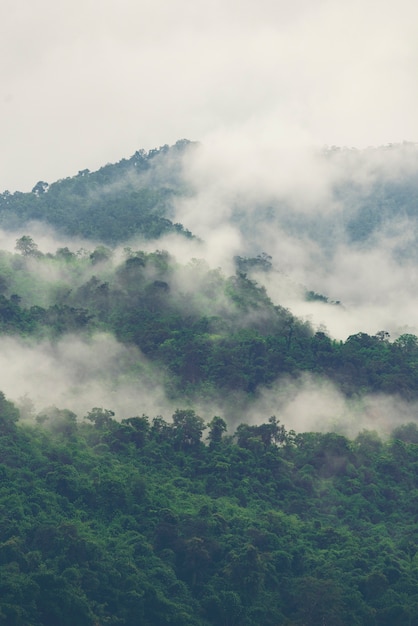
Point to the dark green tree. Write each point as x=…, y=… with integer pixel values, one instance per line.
x=26, y=246
x=187, y=429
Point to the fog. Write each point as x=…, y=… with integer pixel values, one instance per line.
x=247, y=195
x=297, y=205
x=78, y=374
x=47, y=239
x=313, y=404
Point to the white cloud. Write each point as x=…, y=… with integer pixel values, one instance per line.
x=84, y=84
x=313, y=404
x=78, y=374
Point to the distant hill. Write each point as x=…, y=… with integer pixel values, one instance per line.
x=370, y=192
x=121, y=200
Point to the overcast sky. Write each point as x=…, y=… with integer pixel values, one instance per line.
x=85, y=82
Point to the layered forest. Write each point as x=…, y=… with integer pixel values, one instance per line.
x=179, y=444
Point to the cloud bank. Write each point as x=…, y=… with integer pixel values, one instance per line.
x=78, y=374
x=342, y=223
x=83, y=85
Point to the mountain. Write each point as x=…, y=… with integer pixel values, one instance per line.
x=178, y=445
x=204, y=332
x=119, y=201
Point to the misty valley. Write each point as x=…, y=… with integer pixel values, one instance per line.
x=209, y=397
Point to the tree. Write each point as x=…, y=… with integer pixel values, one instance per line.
x=224, y=608
x=58, y=421
x=188, y=428
x=26, y=246
x=406, y=432
x=138, y=429
x=196, y=559
x=217, y=428
x=9, y=415
x=40, y=187
x=320, y=602
x=100, y=254
x=65, y=254
x=266, y=435
x=100, y=417
x=408, y=343
x=368, y=444
x=273, y=432
x=160, y=429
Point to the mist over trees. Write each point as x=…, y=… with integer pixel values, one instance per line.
x=224, y=513
x=205, y=330
x=131, y=197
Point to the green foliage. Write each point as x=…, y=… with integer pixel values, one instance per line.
x=132, y=197
x=9, y=414
x=187, y=429
x=26, y=246
x=107, y=521
x=224, y=335
x=115, y=522
x=217, y=428
x=406, y=432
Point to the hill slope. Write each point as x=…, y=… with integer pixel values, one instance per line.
x=119, y=201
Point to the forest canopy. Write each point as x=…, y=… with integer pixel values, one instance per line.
x=214, y=509
x=182, y=522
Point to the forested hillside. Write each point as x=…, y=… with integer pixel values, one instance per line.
x=363, y=193
x=209, y=332
x=108, y=522
x=177, y=444
x=111, y=205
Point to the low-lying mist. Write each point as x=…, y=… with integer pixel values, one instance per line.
x=312, y=403
x=79, y=374
x=339, y=223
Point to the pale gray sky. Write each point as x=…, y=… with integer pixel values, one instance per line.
x=85, y=82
